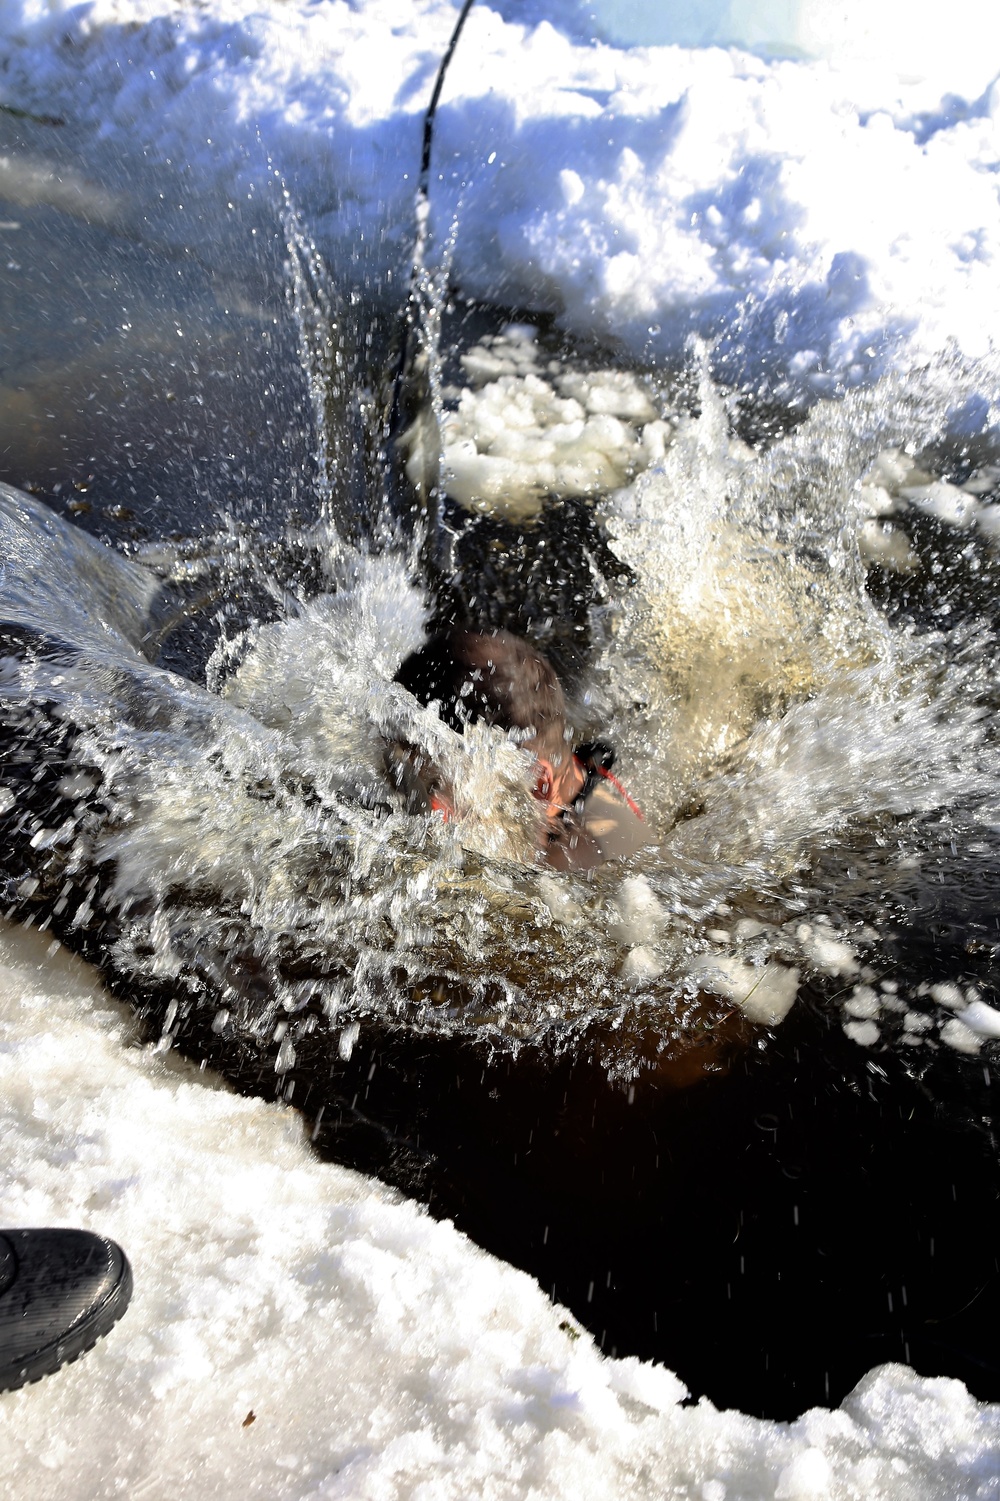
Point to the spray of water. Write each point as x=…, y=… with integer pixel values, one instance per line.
x=249, y=845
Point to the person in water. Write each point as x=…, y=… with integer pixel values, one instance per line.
x=502, y=680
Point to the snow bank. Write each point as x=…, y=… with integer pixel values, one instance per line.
x=822, y=221
x=381, y=1354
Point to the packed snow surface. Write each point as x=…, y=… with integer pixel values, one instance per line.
x=379, y=1353
x=821, y=220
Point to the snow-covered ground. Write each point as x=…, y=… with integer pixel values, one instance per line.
x=822, y=221
x=381, y=1354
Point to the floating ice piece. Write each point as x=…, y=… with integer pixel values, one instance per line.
x=558, y=900
x=517, y=435
x=988, y=521
x=882, y=543
x=764, y=995
x=877, y=501
x=614, y=393
x=893, y=469
x=640, y=913
x=349, y=1036
x=863, y=1003
x=960, y=1037
x=981, y=1019
x=895, y=478
x=983, y=481
x=944, y=502
x=642, y=963
x=825, y=951
x=947, y=994
x=865, y=1034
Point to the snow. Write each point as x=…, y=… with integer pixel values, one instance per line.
x=380, y=1353
x=820, y=220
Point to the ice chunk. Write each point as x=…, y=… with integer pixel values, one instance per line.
x=825, y=951
x=515, y=436
x=988, y=521
x=983, y=481
x=558, y=899
x=877, y=501
x=642, y=963
x=764, y=995
x=863, y=1003
x=960, y=1037
x=947, y=994
x=882, y=543
x=982, y=1019
x=348, y=1037
x=865, y=1034
x=640, y=913
x=893, y=469
x=944, y=502
x=572, y=186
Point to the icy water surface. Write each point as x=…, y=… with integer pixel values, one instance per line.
x=733, y=1103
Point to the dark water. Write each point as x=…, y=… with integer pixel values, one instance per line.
x=769, y=1217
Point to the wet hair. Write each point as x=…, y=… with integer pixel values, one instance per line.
x=497, y=678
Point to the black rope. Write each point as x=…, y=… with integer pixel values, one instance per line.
x=412, y=310
x=423, y=186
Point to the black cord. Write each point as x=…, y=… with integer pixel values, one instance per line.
x=425, y=158
x=412, y=310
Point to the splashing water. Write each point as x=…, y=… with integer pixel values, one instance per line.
x=246, y=836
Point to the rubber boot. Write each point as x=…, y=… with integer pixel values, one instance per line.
x=60, y=1292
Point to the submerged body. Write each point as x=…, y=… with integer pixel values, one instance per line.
x=502, y=680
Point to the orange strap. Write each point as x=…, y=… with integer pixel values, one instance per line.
x=610, y=777
x=445, y=809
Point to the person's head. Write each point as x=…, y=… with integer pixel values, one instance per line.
x=498, y=679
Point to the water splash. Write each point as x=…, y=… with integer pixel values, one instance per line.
x=249, y=845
